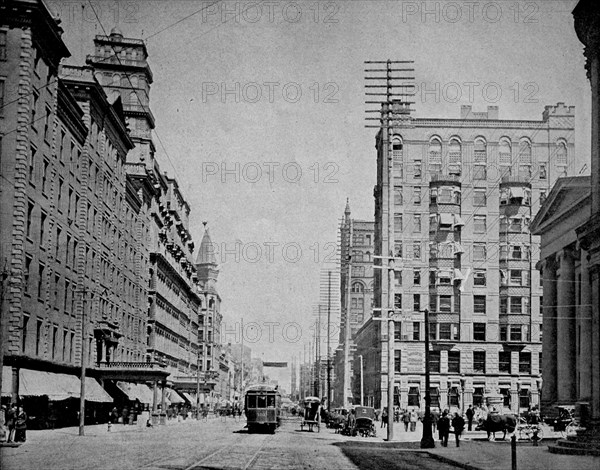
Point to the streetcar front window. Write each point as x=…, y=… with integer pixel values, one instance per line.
x=271, y=401
x=261, y=401
x=251, y=401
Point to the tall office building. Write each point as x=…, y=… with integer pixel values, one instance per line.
x=464, y=194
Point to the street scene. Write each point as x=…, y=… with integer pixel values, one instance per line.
x=299, y=234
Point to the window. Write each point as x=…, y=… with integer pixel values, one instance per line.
x=57, y=245
x=398, y=277
x=417, y=195
x=561, y=153
x=516, y=333
x=32, y=158
x=398, y=222
x=418, y=172
x=542, y=196
x=417, y=277
x=516, y=305
x=478, y=396
x=454, y=158
x=479, y=197
x=505, y=392
x=503, y=332
x=524, y=362
x=435, y=152
x=478, y=331
x=397, y=331
x=27, y=273
x=479, y=252
x=434, y=362
x=43, y=220
x=24, y=329
x=47, y=123
x=504, y=361
x=38, y=336
x=454, y=362
x=525, y=152
x=516, y=277
x=416, y=331
x=543, y=171
x=479, y=224
x=525, y=171
x=357, y=288
x=53, y=343
x=505, y=153
x=417, y=302
x=445, y=303
x=417, y=250
x=66, y=295
x=397, y=360
x=479, y=304
x=524, y=400
x=2, y=49
x=398, y=195
x=479, y=362
x=417, y=223
x=516, y=224
x=480, y=151
x=398, y=301
x=479, y=277
x=30, y=207
x=40, y=285
x=516, y=252
x=45, y=171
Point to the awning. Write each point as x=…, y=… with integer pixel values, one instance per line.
x=446, y=219
x=139, y=392
x=458, y=221
x=173, y=396
x=458, y=248
x=56, y=386
x=458, y=275
x=188, y=397
x=517, y=192
x=6, y=381
x=95, y=392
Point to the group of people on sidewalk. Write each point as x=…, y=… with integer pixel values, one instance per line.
x=13, y=424
x=444, y=424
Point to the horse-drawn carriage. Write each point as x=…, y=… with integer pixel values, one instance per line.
x=312, y=414
x=365, y=421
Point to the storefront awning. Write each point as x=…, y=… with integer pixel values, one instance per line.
x=446, y=219
x=517, y=192
x=95, y=392
x=140, y=392
x=56, y=386
x=173, y=396
x=188, y=397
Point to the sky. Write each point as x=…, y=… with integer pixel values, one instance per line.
x=259, y=111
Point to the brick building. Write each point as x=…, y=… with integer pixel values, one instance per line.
x=464, y=194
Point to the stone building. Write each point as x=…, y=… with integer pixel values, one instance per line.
x=357, y=249
x=464, y=194
x=569, y=226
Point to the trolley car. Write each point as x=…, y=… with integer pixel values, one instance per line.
x=263, y=408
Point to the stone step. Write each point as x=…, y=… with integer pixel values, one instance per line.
x=578, y=444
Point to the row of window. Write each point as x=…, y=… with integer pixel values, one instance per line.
x=479, y=363
x=453, y=397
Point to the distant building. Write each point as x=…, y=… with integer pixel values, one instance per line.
x=357, y=252
x=464, y=194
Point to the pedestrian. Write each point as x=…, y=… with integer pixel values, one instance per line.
x=377, y=413
x=11, y=418
x=435, y=416
x=470, y=413
x=384, y=417
x=444, y=428
x=20, y=425
x=406, y=419
x=414, y=417
x=458, y=424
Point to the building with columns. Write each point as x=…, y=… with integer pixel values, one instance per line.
x=569, y=226
x=464, y=192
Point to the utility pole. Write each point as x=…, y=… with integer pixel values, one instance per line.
x=329, y=341
x=3, y=278
x=427, y=441
x=84, y=354
x=392, y=106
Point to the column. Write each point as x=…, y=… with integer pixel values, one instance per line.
x=565, y=327
x=15, y=384
x=163, y=397
x=443, y=396
x=154, y=396
x=595, y=346
x=584, y=332
x=103, y=351
x=549, y=389
x=514, y=398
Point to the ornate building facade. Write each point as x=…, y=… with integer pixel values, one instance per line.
x=464, y=194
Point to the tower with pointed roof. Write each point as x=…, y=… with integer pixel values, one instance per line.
x=206, y=263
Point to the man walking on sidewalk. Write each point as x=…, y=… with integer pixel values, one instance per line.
x=470, y=414
x=458, y=423
x=444, y=428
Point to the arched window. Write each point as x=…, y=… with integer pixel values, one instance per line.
x=134, y=81
x=480, y=149
x=454, y=157
x=367, y=256
x=116, y=80
x=561, y=153
x=504, y=152
x=357, y=288
x=397, y=149
x=435, y=156
x=133, y=98
x=525, y=152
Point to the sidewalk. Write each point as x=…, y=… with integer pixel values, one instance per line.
x=477, y=453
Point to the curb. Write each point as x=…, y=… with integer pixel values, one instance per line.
x=450, y=461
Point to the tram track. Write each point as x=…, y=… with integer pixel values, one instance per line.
x=241, y=455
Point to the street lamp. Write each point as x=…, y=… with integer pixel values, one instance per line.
x=362, y=383
x=427, y=441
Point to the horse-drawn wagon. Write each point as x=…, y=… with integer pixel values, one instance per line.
x=312, y=414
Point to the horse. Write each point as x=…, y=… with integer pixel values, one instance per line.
x=495, y=423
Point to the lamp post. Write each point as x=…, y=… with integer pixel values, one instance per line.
x=427, y=441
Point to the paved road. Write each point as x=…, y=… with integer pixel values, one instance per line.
x=216, y=444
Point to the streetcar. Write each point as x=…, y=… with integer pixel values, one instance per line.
x=262, y=406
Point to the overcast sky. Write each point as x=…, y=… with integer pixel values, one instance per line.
x=273, y=92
